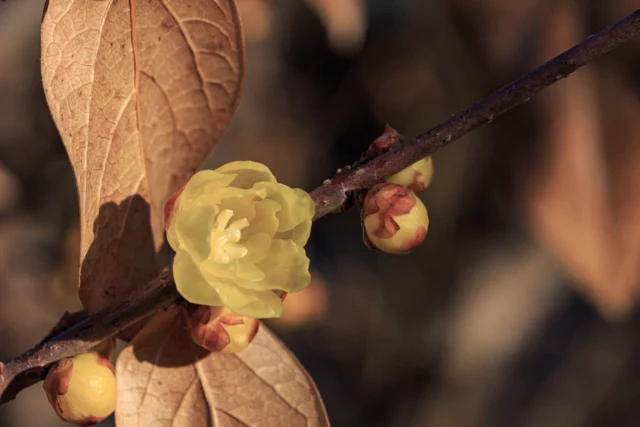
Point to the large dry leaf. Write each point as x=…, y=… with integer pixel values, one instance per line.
x=584, y=202
x=166, y=380
x=141, y=91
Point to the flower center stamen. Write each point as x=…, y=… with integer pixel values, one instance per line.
x=225, y=238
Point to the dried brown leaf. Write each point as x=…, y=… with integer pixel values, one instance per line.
x=583, y=203
x=141, y=91
x=166, y=380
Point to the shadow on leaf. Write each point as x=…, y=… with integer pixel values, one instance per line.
x=165, y=341
x=121, y=260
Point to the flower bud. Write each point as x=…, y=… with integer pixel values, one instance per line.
x=394, y=219
x=416, y=177
x=218, y=329
x=82, y=390
x=384, y=142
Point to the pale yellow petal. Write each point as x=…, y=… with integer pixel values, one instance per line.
x=243, y=206
x=193, y=230
x=218, y=196
x=247, y=302
x=247, y=173
x=307, y=202
x=257, y=246
x=296, y=205
x=238, y=272
x=248, y=272
x=190, y=282
x=211, y=268
x=300, y=234
x=264, y=220
x=203, y=182
x=286, y=267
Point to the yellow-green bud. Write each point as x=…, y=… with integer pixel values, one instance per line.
x=218, y=329
x=416, y=177
x=82, y=390
x=394, y=220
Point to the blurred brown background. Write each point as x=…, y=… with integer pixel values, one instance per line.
x=519, y=308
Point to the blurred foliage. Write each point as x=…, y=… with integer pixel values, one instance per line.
x=505, y=315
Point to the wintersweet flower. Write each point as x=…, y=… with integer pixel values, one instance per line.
x=239, y=238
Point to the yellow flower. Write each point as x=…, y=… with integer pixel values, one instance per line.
x=239, y=236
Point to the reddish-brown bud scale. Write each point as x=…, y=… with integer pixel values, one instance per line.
x=383, y=143
x=58, y=379
x=231, y=319
x=207, y=333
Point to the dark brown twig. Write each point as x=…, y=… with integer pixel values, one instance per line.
x=331, y=197
x=31, y=366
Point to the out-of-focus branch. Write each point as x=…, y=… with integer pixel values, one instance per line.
x=331, y=197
